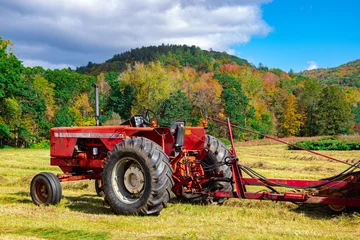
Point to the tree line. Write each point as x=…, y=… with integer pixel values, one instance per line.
x=176, y=85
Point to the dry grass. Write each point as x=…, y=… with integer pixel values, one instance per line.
x=83, y=215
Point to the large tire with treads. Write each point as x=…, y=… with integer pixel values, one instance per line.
x=137, y=177
x=218, y=154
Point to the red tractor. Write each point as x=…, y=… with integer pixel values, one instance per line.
x=136, y=165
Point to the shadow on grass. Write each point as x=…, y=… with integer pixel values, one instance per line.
x=175, y=200
x=322, y=211
x=18, y=197
x=54, y=233
x=87, y=203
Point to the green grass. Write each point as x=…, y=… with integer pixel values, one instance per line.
x=83, y=215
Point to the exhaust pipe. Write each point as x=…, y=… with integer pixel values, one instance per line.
x=97, y=114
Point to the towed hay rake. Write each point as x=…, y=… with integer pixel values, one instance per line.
x=338, y=192
x=136, y=165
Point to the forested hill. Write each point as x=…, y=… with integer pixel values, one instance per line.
x=347, y=74
x=175, y=55
x=176, y=82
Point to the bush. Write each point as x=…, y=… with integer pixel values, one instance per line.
x=6, y=147
x=328, y=143
x=43, y=144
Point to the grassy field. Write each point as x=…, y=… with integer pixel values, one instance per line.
x=83, y=215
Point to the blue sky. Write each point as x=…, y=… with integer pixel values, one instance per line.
x=325, y=32
x=285, y=34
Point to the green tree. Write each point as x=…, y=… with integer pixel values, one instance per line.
x=334, y=113
x=264, y=124
x=120, y=101
x=235, y=102
x=11, y=69
x=309, y=105
x=68, y=85
x=176, y=107
x=4, y=133
x=63, y=118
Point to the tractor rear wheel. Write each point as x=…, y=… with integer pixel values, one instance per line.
x=218, y=153
x=45, y=189
x=137, y=177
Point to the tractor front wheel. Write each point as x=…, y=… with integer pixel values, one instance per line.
x=45, y=189
x=137, y=177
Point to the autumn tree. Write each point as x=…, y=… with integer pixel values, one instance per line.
x=262, y=120
x=291, y=121
x=82, y=112
x=151, y=83
x=206, y=95
x=44, y=90
x=276, y=102
x=187, y=80
x=104, y=89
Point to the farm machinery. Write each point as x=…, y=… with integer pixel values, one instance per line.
x=136, y=165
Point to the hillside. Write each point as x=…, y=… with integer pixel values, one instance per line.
x=347, y=74
x=176, y=82
x=175, y=55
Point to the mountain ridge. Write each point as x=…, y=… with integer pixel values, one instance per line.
x=347, y=74
x=176, y=55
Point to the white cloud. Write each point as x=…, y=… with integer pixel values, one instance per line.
x=231, y=51
x=312, y=65
x=44, y=64
x=94, y=30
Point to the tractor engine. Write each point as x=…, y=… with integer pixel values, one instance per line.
x=188, y=173
x=199, y=173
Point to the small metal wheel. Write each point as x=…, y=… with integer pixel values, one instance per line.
x=45, y=189
x=337, y=208
x=99, y=188
x=346, y=193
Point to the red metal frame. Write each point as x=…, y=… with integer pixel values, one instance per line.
x=302, y=197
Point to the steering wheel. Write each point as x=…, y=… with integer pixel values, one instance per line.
x=146, y=115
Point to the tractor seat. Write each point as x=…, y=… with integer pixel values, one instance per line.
x=135, y=121
x=178, y=131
